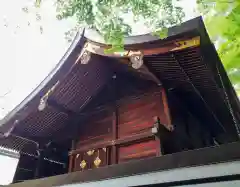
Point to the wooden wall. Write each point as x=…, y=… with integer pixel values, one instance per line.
x=121, y=132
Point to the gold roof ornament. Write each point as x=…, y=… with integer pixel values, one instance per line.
x=85, y=55
x=43, y=101
x=97, y=162
x=183, y=44
x=90, y=152
x=85, y=58
x=83, y=164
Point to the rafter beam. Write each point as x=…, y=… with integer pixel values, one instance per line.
x=170, y=46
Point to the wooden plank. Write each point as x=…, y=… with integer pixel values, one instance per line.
x=138, y=150
x=125, y=140
x=173, y=46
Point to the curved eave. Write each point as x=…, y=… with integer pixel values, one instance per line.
x=194, y=27
x=32, y=100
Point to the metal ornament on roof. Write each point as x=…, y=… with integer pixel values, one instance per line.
x=85, y=58
x=90, y=152
x=85, y=55
x=42, y=104
x=136, y=60
x=43, y=101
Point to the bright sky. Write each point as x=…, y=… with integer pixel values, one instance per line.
x=28, y=56
x=7, y=169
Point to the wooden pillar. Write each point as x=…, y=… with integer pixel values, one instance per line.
x=71, y=157
x=114, y=137
x=166, y=107
x=114, y=121
x=40, y=163
x=157, y=135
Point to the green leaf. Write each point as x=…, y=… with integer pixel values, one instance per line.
x=162, y=34
x=114, y=49
x=38, y=3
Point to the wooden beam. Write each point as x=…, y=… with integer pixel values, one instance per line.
x=173, y=46
x=149, y=75
x=120, y=141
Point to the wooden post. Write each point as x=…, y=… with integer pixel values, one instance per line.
x=157, y=136
x=70, y=165
x=114, y=122
x=71, y=157
x=114, y=136
x=39, y=164
x=166, y=108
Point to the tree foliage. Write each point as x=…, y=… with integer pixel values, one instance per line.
x=222, y=18
x=108, y=17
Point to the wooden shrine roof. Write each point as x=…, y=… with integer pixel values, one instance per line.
x=194, y=73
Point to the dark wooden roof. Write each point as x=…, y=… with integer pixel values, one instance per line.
x=195, y=74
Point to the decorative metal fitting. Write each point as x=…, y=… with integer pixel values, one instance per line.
x=113, y=142
x=90, y=152
x=42, y=104
x=137, y=61
x=85, y=57
x=97, y=162
x=83, y=164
